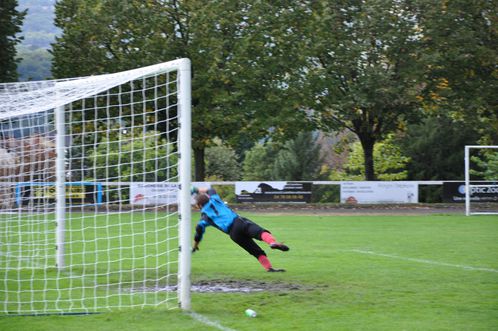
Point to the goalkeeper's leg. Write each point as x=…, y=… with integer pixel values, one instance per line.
x=257, y=232
x=252, y=248
x=238, y=235
x=270, y=240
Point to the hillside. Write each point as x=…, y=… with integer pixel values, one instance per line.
x=39, y=32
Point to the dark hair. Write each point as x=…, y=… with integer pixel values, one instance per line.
x=201, y=199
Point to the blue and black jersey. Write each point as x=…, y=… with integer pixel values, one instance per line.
x=215, y=213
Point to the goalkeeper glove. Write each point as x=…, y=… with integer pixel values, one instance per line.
x=194, y=190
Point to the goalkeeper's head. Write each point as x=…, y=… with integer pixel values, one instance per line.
x=201, y=199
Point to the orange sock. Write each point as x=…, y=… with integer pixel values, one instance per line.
x=264, y=262
x=268, y=238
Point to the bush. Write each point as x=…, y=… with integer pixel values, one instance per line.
x=326, y=194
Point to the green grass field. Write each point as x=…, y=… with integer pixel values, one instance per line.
x=437, y=272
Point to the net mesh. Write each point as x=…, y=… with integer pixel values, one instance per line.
x=120, y=170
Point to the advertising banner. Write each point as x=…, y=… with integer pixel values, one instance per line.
x=379, y=192
x=277, y=192
x=153, y=193
x=157, y=193
x=455, y=192
x=87, y=193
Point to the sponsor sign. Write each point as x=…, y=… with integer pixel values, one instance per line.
x=379, y=192
x=48, y=192
x=75, y=192
x=157, y=193
x=278, y=192
x=455, y=192
x=153, y=193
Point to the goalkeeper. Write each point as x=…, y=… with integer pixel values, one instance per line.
x=214, y=212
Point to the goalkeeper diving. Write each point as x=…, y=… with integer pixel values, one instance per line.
x=214, y=212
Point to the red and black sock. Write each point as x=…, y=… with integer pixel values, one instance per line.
x=263, y=259
x=268, y=238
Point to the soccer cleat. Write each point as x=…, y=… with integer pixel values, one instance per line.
x=275, y=270
x=279, y=246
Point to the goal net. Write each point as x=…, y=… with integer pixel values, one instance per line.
x=481, y=180
x=94, y=192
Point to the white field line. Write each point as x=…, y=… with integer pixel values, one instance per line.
x=207, y=321
x=444, y=264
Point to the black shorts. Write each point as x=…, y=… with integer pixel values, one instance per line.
x=243, y=231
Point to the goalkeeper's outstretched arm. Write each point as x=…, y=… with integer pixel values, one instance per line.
x=199, y=233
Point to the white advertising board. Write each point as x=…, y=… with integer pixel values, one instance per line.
x=379, y=192
x=157, y=193
x=153, y=193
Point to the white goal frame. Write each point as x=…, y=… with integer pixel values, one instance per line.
x=469, y=185
x=14, y=105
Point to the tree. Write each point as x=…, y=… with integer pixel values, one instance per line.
x=239, y=68
x=390, y=162
x=242, y=87
x=435, y=147
x=296, y=159
x=10, y=22
x=487, y=165
x=360, y=68
x=221, y=163
x=131, y=156
x=459, y=62
x=299, y=159
x=258, y=162
x=102, y=36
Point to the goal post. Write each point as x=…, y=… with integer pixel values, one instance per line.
x=184, y=179
x=60, y=186
x=481, y=194
x=95, y=174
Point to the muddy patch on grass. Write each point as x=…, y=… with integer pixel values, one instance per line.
x=226, y=286
x=243, y=286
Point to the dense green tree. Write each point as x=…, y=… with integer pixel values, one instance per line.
x=258, y=162
x=436, y=148
x=360, y=69
x=299, y=159
x=486, y=164
x=266, y=69
x=238, y=65
x=131, y=156
x=459, y=54
x=221, y=163
x=10, y=25
x=390, y=162
x=296, y=159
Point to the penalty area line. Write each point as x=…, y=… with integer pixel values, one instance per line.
x=444, y=264
x=207, y=321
